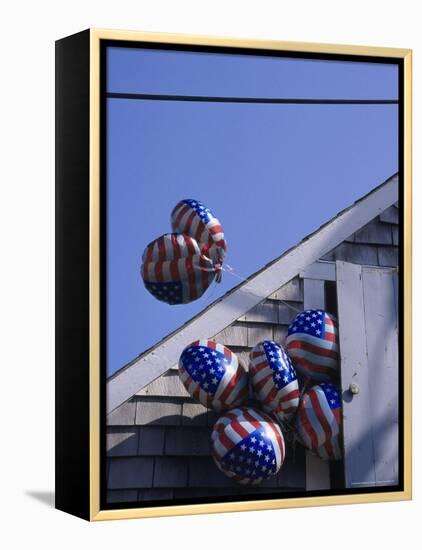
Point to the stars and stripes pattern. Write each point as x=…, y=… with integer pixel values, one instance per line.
x=213, y=375
x=193, y=218
x=174, y=270
x=247, y=445
x=318, y=421
x=274, y=380
x=312, y=344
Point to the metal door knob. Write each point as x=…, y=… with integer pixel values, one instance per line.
x=354, y=388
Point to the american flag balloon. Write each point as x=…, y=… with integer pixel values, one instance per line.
x=312, y=344
x=318, y=421
x=247, y=445
x=213, y=375
x=175, y=271
x=273, y=379
x=193, y=218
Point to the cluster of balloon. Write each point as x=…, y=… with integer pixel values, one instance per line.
x=274, y=380
x=247, y=445
x=247, y=440
x=312, y=345
x=318, y=421
x=213, y=375
x=177, y=268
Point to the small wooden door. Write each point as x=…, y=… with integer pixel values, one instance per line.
x=368, y=330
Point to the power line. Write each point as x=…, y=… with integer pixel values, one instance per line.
x=273, y=100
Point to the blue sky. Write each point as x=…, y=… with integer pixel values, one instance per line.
x=270, y=173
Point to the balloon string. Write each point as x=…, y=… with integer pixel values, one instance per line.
x=304, y=388
x=229, y=269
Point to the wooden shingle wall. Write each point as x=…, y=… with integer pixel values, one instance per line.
x=159, y=448
x=269, y=320
x=374, y=244
x=158, y=441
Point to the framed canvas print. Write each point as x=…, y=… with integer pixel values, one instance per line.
x=233, y=274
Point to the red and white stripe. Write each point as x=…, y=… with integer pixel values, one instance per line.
x=171, y=246
x=177, y=258
x=210, y=236
x=233, y=387
x=283, y=401
x=234, y=426
x=313, y=357
x=318, y=425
